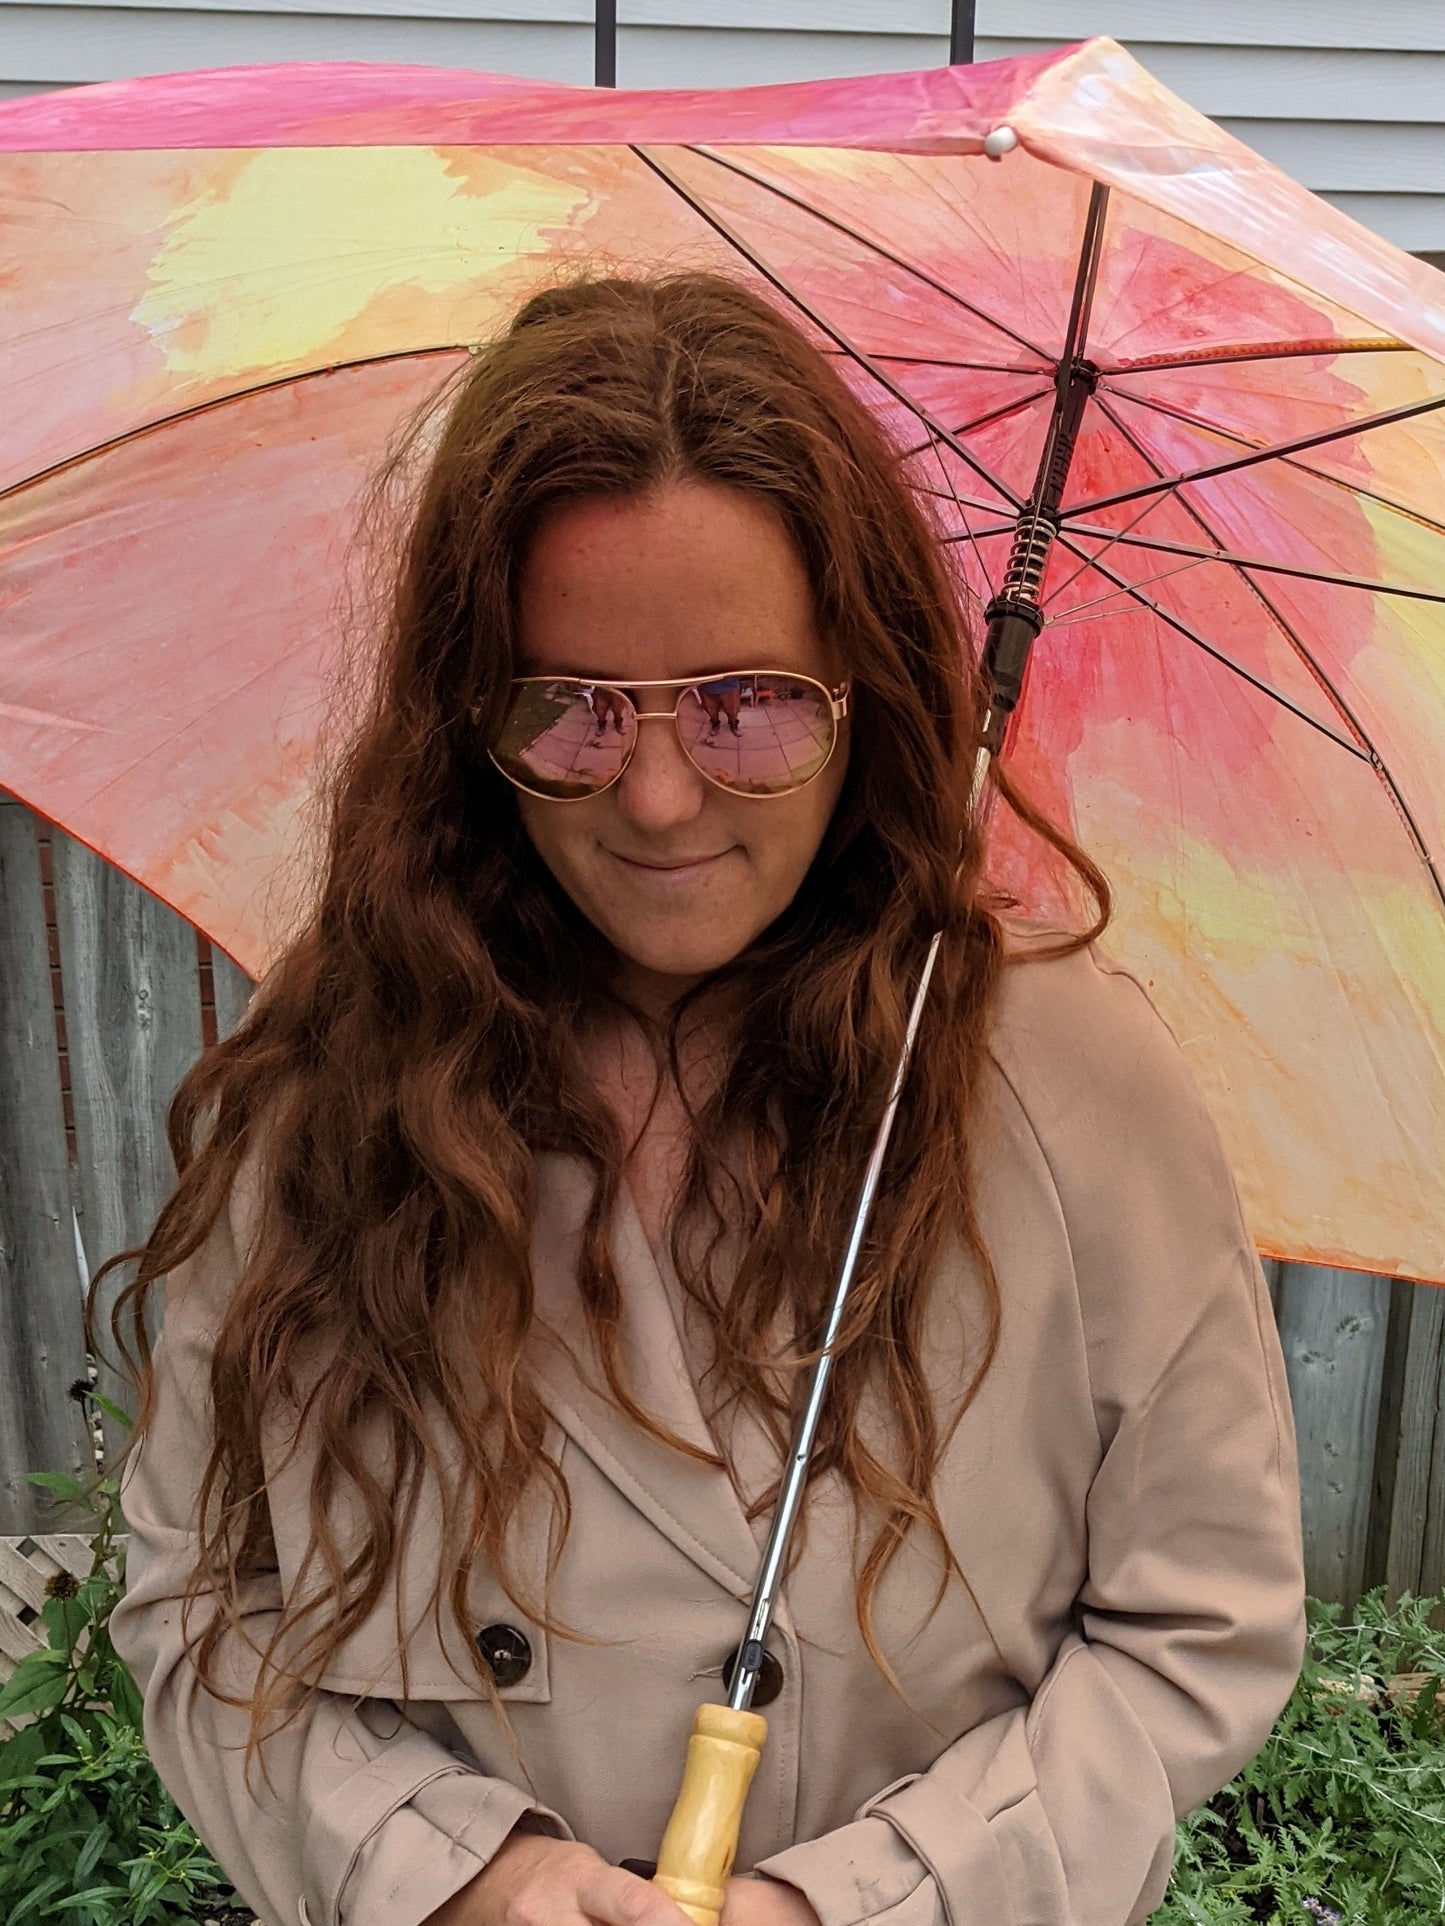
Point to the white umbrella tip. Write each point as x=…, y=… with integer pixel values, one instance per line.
x=1001, y=141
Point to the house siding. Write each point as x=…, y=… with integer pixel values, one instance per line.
x=1349, y=100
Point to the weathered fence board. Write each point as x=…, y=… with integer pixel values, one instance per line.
x=1332, y=1327
x=41, y=1349
x=1272, y=1269
x=1432, y=1537
x=233, y=990
x=1408, y=1510
x=133, y=1023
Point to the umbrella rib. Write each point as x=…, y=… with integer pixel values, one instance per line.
x=1280, y=351
x=1130, y=540
x=1297, y=643
x=1303, y=467
x=1119, y=535
x=1202, y=522
x=988, y=580
x=1087, y=611
x=855, y=354
x=209, y=406
x=876, y=247
x=951, y=361
x=1274, y=452
x=982, y=421
x=963, y=501
x=1191, y=634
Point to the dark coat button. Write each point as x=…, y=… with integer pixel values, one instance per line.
x=508, y=1653
x=770, y=1677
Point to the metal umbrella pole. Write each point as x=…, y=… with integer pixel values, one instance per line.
x=701, y=1839
x=795, y=1475
x=699, y=1845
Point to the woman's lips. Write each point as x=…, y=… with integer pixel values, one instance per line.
x=678, y=871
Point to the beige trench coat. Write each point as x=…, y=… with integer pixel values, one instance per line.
x=1122, y=1494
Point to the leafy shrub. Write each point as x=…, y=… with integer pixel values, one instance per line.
x=1339, y=1820
x=87, y=1832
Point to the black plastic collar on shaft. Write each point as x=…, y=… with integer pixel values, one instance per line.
x=1012, y=629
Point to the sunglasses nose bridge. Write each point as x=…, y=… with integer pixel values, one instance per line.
x=672, y=712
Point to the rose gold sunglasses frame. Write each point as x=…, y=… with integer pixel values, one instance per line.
x=836, y=698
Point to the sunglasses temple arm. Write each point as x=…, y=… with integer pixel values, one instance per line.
x=698, y=1848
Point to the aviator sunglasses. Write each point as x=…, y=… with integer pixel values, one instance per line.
x=754, y=732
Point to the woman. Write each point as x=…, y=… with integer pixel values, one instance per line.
x=504, y=1222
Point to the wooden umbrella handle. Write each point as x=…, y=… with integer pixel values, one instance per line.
x=701, y=1840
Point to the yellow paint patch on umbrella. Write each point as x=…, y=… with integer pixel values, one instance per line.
x=277, y=267
x=1248, y=962
x=1411, y=553
x=1396, y=680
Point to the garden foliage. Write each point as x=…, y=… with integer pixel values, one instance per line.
x=88, y=1834
x=1339, y=1820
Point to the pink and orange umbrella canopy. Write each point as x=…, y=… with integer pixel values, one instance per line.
x=223, y=292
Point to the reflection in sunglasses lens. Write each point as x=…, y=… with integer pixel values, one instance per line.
x=566, y=739
x=759, y=735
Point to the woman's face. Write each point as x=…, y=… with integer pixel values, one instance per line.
x=689, y=580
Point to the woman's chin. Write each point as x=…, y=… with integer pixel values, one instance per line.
x=683, y=963
x=677, y=955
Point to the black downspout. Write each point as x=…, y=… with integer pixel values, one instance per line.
x=960, y=33
x=604, y=55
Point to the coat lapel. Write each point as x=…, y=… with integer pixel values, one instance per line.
x=693, y=1504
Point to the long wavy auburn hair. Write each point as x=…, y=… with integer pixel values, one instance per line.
x=415, y=1048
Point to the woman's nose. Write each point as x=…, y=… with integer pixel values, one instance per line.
x=660, y=788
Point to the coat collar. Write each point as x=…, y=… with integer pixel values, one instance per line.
x=693, y=1504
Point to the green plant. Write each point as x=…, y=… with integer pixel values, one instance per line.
x=1340, y=1818
x=1338, y=1821
x=87, y=1832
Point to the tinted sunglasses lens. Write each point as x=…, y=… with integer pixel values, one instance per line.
x=565, y=739
x=760, y=735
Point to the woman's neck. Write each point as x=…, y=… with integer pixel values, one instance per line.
x=651, y=993
x=622, y=1059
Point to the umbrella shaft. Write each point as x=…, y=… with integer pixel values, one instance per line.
x=1016, y=614
x=795, y=1475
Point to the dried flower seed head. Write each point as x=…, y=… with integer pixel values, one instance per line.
x=80, y=1390
x=61, y=1585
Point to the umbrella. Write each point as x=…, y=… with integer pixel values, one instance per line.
x=1174, y=412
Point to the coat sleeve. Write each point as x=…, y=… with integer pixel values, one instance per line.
x=360, y=1816
x=1190, y=1627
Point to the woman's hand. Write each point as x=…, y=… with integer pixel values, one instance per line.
x=536, y=1881
x=765, y=1902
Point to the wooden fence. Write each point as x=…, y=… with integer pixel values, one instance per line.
x=85, y=1075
